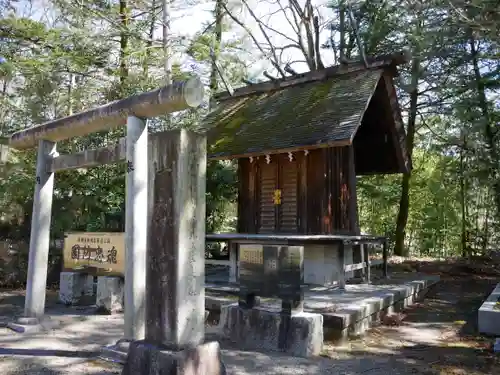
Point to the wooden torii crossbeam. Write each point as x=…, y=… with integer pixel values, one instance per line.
x=168, y=99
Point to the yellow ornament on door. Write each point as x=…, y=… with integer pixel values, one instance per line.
x=277, y=197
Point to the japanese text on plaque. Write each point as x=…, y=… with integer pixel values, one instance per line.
x=99, y=250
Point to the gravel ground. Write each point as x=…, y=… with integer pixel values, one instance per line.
x=437, y=337
x=70, y=348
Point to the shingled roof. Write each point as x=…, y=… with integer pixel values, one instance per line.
x=315, y=110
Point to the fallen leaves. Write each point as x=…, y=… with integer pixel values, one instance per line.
x=393, y=320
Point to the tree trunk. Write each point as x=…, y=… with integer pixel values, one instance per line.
x=463, y=203
x=486, y=235
x=124, y=19
x=489, y=132
x=149, y=43
x=404, y=202
x=166, y=43
x=219, y=15
x=342, y=31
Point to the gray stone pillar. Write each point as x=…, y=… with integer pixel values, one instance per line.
x=175, y=293
x=176, y=253
x=74, y=285
x=136, y=226
x=36, y=284
x=109, y=297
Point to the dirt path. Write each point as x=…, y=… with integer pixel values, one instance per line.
x=438, y=335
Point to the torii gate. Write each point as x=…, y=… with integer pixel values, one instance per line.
x=132, y=112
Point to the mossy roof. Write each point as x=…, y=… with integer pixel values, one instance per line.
x=304, y=115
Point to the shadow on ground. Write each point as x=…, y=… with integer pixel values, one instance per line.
x=438, y=336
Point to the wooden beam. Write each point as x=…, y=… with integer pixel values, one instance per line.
x=339, y=143
x=91, y=158
x=399, y=134
x=168, y=99
x=378, y=62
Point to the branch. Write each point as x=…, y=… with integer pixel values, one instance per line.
x=282, y=49
x=261, y=27
x=294, y=27
x=257, y=44
x=289, y=69
x=316, y=45
x=298, y=25
x=260, y=22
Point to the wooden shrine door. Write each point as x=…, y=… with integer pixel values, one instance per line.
x=277, y=194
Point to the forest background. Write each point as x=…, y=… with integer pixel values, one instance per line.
x=64, y=56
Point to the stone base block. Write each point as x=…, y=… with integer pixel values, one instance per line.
x=74, y=286
x=489, y=314
x=148, y=359
x=299, y=335
x=110, y=294
x=33, y=325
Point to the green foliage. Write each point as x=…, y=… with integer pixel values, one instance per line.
x=90, y=56
x=53, y=71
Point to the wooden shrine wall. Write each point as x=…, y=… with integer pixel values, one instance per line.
x=303, y=192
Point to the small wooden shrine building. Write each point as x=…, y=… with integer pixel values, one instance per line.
x=301, y=141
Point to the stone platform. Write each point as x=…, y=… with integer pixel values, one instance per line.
x=348, y=312
x=489, y=314
x=345, y=313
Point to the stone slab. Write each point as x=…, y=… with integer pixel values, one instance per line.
x=258, y=328
x=147, y=359
x=355, y=318
x=488, y=317
x=33, y=325
x=319, y=299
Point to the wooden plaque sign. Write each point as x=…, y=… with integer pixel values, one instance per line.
x=95, y=253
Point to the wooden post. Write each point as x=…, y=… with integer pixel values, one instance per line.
x=233, y=261
x=366, y=249
x=385, y=256
x=342, y=265
x=363, y=260
x=175, y=293
x=358, y=257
